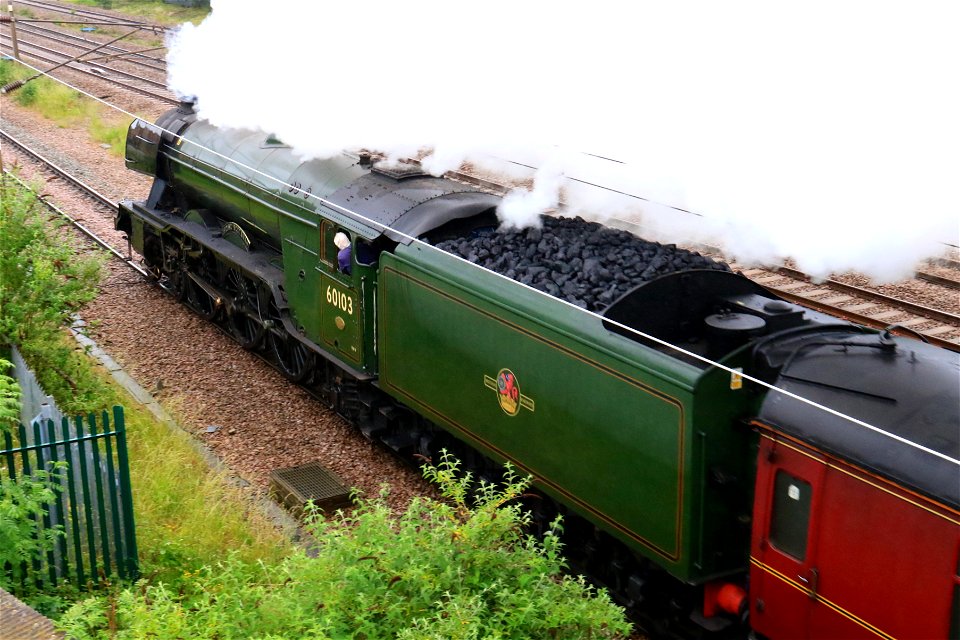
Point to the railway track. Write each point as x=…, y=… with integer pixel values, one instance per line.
x=863, y=306
x=111, y=51
x=103, y=73
x=75, y=11
x=81, y=186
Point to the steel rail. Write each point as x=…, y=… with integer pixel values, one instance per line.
x=859, y=318
x=65, y=38
x=72, y=67
x=73, y=10
x=940, y=280
x=104, y=68
x=912, y=307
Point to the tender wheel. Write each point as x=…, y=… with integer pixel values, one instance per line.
x=295, y=360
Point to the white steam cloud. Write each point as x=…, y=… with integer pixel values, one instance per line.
x=827, y=132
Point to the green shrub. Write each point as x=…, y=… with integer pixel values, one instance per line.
x=9, y=399
x=23, y=500
x=10, y=71
x=43, y=282
x=27, y=94
x=442, y=569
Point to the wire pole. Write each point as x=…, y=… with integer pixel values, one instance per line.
x=13, y=31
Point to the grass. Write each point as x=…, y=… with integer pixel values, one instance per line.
x=153, y=11
x=187, y=514
x=66, y=107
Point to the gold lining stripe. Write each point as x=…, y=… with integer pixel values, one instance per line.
x=674, y=556
x=818, y=598
x=855, y=476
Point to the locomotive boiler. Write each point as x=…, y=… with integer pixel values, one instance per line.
x=714, y=502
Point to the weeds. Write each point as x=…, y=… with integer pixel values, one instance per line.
x=442, y=569
x=66, y=107
x=153, y=10
x=43, y=282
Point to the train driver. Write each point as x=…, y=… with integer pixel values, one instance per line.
x=342, y=242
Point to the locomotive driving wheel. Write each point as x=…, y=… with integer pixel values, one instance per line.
x=245, y=320
x=175, y=281
x=295, y=360
x=199, y=293
x=197, y=297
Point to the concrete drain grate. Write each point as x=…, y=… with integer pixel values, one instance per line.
x=294, y=486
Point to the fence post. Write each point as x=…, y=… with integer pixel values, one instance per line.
x=72, y=493
x=13, y=31
x=87, y=499
x=25, y=471
x=114, y=515
x=132, y=555
x=98, y=482
x=58, y=504
x=41, y=470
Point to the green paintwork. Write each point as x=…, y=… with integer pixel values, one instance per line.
x=208, y=168
x=590, y=400
x=340, y=326
x=285, y=220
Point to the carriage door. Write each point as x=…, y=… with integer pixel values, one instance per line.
x=340, y=306
x=783, y=573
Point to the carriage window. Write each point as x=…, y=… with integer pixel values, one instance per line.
x=791, y=515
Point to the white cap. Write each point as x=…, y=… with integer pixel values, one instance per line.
x=341, y=240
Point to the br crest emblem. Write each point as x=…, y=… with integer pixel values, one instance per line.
x=508, y=392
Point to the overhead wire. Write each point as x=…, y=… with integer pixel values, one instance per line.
x=378, y=225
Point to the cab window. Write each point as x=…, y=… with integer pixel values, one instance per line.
x=328, y=250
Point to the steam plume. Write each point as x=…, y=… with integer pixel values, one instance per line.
x=826, y=132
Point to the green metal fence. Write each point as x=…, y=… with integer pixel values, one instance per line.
x=90, y=476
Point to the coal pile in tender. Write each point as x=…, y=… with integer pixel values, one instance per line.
x=581, y=262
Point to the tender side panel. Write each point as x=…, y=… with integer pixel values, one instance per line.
x=520, y=389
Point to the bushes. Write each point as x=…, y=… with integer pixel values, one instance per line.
x=43, y=282
x=23, y=501
x=442, y=569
